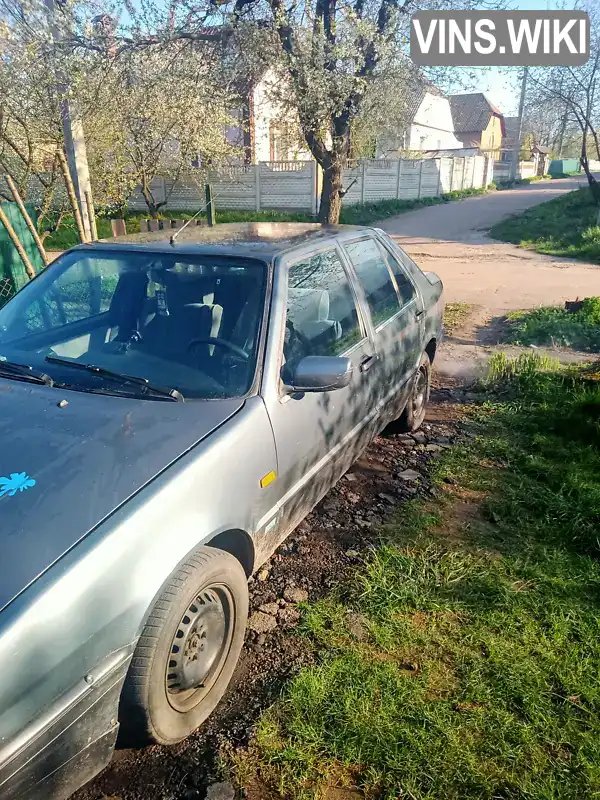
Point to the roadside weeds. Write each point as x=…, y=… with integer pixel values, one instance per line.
x=577, y=325
x=455, y=315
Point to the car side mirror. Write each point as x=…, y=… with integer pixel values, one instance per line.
x=319, y=374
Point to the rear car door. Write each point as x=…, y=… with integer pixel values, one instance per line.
x=318, y=434
x=396, y=309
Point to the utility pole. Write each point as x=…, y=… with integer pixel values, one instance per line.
x=73, y=135
x=517, y=150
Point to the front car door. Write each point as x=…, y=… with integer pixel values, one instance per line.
x=396, y=311
x=318, y=435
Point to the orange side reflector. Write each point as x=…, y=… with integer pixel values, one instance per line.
x=267, y=480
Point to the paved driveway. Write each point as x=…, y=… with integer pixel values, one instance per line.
x=452, y=240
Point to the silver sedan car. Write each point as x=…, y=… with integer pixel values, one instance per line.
x=170, y=409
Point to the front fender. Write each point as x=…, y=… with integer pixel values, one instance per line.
x=95, y=599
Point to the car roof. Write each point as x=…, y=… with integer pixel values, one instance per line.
x=262, y=240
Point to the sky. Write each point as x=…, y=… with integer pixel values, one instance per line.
x=502, y=85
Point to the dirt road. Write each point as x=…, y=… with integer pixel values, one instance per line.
x=494, y=277
x=452, y=240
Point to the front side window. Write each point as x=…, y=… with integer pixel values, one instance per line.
x=184, y=322
x=322, y=318
x=373, y=272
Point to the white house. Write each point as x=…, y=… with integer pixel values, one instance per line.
x=428, y=124
x=266, y=129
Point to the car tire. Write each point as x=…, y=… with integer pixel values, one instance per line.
x=188, y=650
x=413, y=415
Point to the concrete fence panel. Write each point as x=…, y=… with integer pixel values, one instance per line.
x=353, y=184
x=184, y=196
x=446, y=173
x=469, y=172
x=294, y=185
x=287, y=185
x=380, y=180
x=410, y=178
x=234, y=188
x=431, y=177
x=479, y=168
x=458, y=174
x=503, y=170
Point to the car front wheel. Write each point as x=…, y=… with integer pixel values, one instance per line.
x=188, y=650
x=414, y=412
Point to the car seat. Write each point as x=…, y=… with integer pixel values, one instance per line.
x=308, y=312
x=176, y=323
x=216, y=316
x=127, y=304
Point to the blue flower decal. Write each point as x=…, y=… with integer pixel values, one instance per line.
x=17, y=482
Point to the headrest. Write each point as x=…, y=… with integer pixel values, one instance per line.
x=308, y=305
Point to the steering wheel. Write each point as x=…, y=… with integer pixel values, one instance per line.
x=234, y=348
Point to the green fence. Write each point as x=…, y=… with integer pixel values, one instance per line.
x=564, y=165
x=12, y=269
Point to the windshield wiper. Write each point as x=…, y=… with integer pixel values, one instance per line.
x=147, y=388
x=24, y=372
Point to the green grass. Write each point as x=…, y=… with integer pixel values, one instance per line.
x=553, y=325
x=366, y=214
x=455, y=314
x=478, y=675
x=565, y=226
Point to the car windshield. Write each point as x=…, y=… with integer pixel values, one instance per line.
x=182, y=322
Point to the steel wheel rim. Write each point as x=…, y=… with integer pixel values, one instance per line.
x=199, y=647
x=420, y=392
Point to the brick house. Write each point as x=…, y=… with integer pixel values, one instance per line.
x=478, y=123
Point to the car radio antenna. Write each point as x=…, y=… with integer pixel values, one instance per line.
x=191, y=219
x=186, y=223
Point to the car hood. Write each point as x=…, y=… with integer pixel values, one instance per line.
x=65, y=469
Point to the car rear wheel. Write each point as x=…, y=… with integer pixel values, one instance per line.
x=188, y=650
x=414, y=412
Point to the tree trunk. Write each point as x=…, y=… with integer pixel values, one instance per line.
x=331, y=192
x=72, y=195
x=593, y=183
x=153, y=206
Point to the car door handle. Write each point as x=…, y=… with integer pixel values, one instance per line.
x=366, y=363
x=419, y=314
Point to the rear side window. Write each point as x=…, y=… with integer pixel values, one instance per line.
x=373, y=272
x=401, y=271
x=322, y=318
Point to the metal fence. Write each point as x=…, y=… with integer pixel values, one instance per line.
x=564, y=165
x=6, y=290
x=12, y=270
